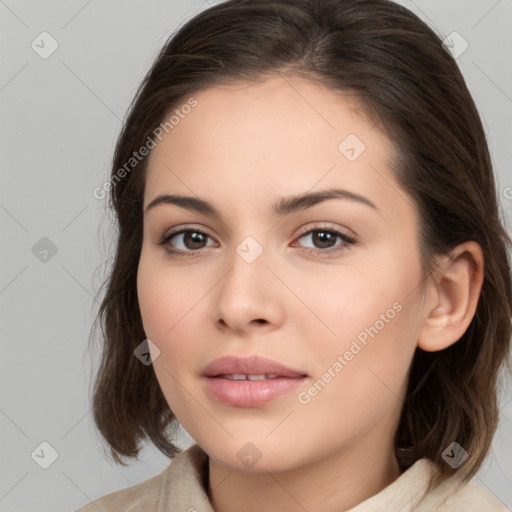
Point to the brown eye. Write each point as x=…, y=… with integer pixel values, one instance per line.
x=185, y=241
x=324, y=239
x=194, y=239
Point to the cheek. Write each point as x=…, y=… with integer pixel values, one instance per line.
x=164, y=307
x=153, y=302
x=164, y=297
x=373, y=318
x=170, y=301
x=352, y=303
x=359, y=384
x=350, y=297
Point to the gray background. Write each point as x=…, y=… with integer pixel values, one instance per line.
x=60, y=116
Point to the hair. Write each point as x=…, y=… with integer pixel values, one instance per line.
x=387, y=58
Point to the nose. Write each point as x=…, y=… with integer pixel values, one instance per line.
x=249, y=297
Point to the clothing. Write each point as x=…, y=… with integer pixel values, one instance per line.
x=181, y=487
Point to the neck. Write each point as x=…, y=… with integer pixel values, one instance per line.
x=334, y=483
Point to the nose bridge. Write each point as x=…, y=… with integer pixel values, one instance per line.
x=248, y=269
x=246, y=292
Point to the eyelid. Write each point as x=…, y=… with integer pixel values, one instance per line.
x=325, y=225
x=328, y=227
x=185, y=227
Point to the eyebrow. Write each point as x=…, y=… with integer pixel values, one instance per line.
x=284, y=206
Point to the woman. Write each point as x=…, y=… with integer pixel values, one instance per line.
x=311, y=257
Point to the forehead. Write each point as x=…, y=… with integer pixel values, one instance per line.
x=283, y=133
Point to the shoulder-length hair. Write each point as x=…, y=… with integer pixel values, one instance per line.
x=386, y=57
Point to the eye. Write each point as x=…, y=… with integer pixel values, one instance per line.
x=325, y=238
x=191, y=240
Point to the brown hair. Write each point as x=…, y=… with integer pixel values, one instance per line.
x=394, y=63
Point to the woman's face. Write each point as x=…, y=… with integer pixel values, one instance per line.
x=268, y=277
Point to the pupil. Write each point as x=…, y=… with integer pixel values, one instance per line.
x=194, y=238
x=324, y=238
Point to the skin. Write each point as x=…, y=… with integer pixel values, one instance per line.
x=241, y=148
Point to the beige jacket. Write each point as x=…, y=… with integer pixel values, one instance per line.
x=181, y=488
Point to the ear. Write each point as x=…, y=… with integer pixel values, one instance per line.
x=453, y=297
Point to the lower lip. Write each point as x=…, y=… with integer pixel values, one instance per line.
x=247, y=393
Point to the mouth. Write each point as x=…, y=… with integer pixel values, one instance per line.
x=255, y=367
x=261, y=376
x=250, y=382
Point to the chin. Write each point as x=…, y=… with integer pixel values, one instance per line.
x=253, y=456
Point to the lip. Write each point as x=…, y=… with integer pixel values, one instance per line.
x=245, y=393
x=253, y=365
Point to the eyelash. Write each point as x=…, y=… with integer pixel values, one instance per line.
x=347, y=241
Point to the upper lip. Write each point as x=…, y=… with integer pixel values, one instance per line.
x=254, y=365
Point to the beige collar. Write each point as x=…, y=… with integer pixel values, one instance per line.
x=185, y=479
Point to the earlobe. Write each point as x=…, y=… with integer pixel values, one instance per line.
x=454, y=297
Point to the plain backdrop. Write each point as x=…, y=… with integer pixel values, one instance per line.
x=60, y=116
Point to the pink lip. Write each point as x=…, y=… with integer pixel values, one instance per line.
x=254, y=365
x=245, y=393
